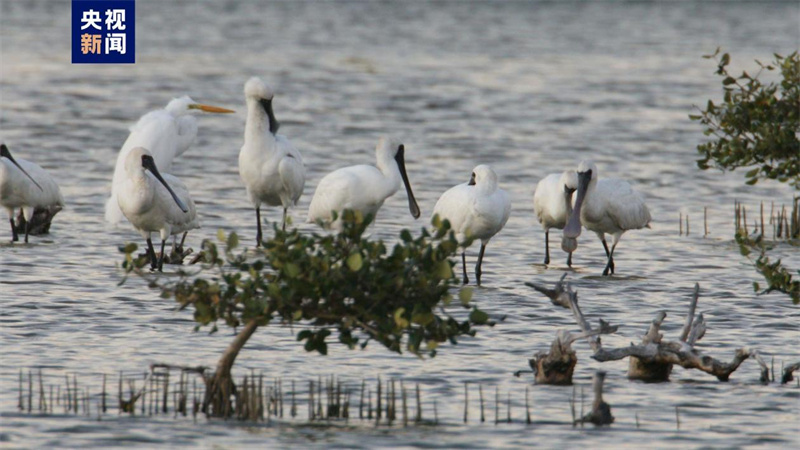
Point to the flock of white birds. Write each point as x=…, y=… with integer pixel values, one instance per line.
x=272, y=170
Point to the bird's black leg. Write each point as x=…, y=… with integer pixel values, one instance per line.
x=547, y=247
x=161, y=258
x=258, y=234
x=464, y=266
x=569, y=260
x=284, y=219
x=612, y=257
x=478, y=266
x=608, y=258
x=610, y=264
x=14, y=235
x=27, y=228
x=608, y=268
x=183, y=239
x=152, y=252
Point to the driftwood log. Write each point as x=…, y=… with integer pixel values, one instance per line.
x=601, y=411
x=40, y=221
x=653, y=359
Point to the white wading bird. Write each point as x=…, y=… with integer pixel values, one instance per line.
x=362, y=188
x=25, y=185
x=271, y=168
x=552, y=204
x=154, y=203
x=166, y=133
x=476, y=210
x=605, y=206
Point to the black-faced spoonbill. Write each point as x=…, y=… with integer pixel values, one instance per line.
x=605, y=206
x=25, y=185
x=477, y=209
x=167, y=133
x=271, y=168
x=552, y=204
x=362, y=188
x=153, y=202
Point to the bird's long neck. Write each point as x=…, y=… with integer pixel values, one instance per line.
x=256, y=129
x=390, y=170
x=486, y=187
x=588, y=204
x=138, y=175
x=592, y=187
x=187, y=133
x=143, y=185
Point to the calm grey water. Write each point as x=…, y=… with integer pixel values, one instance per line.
x=530, y=88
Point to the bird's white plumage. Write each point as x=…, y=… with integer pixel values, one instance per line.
x=614, y=208
x=476, y=211
x=167, y=133
x=611, y=206
x=148, y=205
x=18, y=191
x=270, y=166
x=361, y=188
x=608, y=206
x=550, y=203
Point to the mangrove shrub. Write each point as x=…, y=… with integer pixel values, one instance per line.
x=341, y=286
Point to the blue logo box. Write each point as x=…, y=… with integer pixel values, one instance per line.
x=103, y=32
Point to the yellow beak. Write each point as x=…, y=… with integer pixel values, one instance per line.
x=210, y=109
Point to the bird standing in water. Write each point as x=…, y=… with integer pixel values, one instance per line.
x=362, y=188
x=271, y=168
x=605, y=206
x=153, y=202
x=166, y=133
x=477, y=209
x=552, y=204
x=26, y=186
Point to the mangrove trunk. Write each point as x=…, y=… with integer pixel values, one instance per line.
x=220, y=387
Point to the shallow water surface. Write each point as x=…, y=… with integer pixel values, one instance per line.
x=530, y=88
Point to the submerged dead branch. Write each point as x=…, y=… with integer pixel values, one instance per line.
x=195, y=369
x=558, y=365
x=601, y=411
x=559, y=295
x=788, y=371
x=652, y=360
